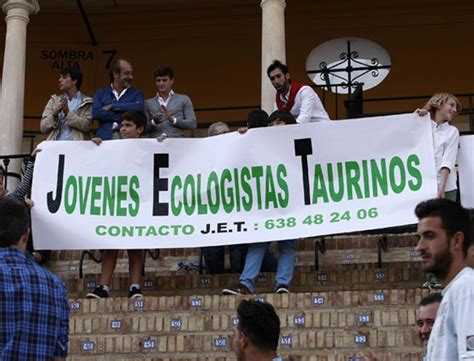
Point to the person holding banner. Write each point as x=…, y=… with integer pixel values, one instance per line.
x=443, y=107
x=256, y=251
x=214, y=255
x=134, y=123
x=297, y=98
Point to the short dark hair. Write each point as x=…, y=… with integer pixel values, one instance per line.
x=257, y=118
x=2, y=171
x=75, y=74
x=163, y=71
x=260, y=323
x=277, y=64
x=14, y=221
x=116, y=67
x=431, y=298
x=282, y=115
x=454, y=217
x=137, y=117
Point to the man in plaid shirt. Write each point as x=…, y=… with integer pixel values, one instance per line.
x=33, y=301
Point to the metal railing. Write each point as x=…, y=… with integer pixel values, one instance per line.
x=5, y=161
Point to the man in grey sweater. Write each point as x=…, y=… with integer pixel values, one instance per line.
x=168, y=112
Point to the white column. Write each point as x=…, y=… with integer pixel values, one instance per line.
x=273, y=45
x=13, y=79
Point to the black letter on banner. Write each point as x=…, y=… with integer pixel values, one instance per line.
x=159, y=184
x=303, y=147
x=53, y=204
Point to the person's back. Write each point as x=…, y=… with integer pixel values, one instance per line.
x=33, y=307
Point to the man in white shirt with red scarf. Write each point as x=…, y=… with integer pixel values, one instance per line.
x=297, y=98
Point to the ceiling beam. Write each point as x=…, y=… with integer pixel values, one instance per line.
x=86, y=22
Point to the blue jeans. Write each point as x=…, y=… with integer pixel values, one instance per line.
x=214, y=259
x=253, y=262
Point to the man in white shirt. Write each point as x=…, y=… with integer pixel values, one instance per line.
x=297, y=98
x=444, y=231
x=257, y=333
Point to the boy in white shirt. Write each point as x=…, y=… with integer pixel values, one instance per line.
x=443, y=107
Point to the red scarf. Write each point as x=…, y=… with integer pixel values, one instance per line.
x=294, y=88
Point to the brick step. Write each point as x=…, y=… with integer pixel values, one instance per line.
x=191, y=322
x=331, y=259
x=345, y=324
x=336, y=242
x=397, y=275
x=333, y=325
x=391, y=353
x=223, y=303
x=305, y=345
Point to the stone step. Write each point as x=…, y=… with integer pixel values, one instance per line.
x=364, y=277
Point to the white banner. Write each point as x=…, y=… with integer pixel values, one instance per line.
x=466, y=170
x=269, y=184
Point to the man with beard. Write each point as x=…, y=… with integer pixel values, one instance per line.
x=444, y=232
x=257, y=333
x=297, y=98
x=426, y=316
x=111, y=102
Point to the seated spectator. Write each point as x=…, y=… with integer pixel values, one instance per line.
x=133, y=126
x=281, y=117
x=256, y=118
x=34, y=306
x=68, y=115
x=256, y=251
x=257, y=334
x=168, y=112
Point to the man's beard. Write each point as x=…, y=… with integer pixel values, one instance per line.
x=441, y=264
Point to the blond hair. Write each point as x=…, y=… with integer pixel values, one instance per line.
x=438, y=100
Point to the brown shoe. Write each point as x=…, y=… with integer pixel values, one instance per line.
x=238, y=289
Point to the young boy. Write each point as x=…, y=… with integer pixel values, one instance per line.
x=133, y=125
x=443, y=107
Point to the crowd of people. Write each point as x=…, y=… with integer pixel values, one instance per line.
x=31, y=295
